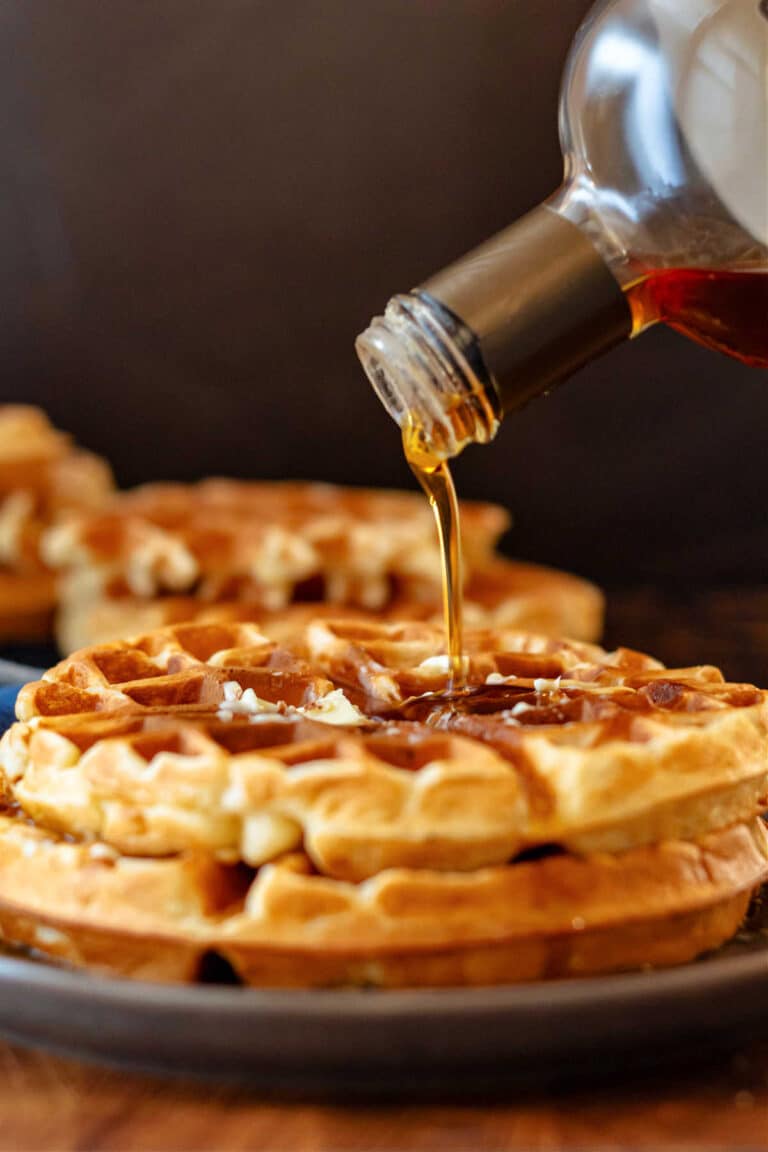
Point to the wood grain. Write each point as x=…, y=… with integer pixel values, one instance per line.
x=52, y=1105
x=726, y=626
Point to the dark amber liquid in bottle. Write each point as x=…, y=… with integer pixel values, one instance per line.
x=724, y=309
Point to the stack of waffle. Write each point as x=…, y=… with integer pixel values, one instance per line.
x=42, y=478
x=207, y=799
x=225, y=550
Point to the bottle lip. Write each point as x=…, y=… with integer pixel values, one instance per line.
x=418, y=358
x=380, y=351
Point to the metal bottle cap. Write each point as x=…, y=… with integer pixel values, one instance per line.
x=541, y=301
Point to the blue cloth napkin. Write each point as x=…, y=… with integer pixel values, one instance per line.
x=8, y=696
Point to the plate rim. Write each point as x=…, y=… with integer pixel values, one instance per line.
x=707, y=975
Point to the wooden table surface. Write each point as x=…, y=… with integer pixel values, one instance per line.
x=50, y=1104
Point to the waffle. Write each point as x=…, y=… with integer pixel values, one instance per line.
x=42, y=478
x=186, y=917
x=226, y=550
x=501, y=593
x=345, y=744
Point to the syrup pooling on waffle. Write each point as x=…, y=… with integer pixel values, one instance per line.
x=554, y=743
x=390, y=663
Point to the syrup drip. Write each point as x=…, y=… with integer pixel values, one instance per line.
x=441, y=709
x=435, y=478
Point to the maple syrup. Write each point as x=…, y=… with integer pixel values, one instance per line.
x=724, y=309
x=434, y=476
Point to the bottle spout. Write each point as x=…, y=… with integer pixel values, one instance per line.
x=500, y=326
x=425, y=367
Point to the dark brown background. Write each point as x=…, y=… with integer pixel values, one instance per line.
x=204, y=200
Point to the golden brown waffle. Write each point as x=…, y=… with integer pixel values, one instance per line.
x=179, y=917
x=42, y=478
x=226, y=550
x=501, y=593
x=215, y=738
x=325, y=811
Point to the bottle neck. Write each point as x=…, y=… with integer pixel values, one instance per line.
x=426, y=368
x=487, y=334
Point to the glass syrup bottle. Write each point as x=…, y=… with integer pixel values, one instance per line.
x=662, y=217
